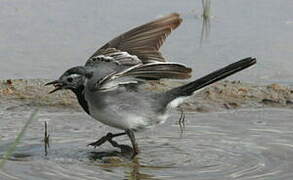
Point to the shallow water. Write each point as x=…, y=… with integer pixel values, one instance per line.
x=241, y=144
x=42, y=39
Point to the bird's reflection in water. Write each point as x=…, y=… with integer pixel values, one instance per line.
x=135, y=174
x=123, y=158
x=125, y=152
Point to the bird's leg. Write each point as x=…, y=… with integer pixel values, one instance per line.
x=132, y=139
x=106, y=138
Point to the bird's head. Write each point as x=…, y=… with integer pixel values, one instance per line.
x=73, y=79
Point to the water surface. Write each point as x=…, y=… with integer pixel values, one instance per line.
x=41, y=39
x=241, y=144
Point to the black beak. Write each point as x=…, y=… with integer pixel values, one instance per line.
x=58, y=85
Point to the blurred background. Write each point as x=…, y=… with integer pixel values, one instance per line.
x=41, y=39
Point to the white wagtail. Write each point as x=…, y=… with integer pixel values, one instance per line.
x=112, y=86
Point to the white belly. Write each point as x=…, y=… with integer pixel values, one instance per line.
x=125, y=121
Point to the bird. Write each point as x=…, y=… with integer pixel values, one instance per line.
x=113, y=85
x=140, y=45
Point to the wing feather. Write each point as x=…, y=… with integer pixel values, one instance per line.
x=144, y=41
x=142, y=72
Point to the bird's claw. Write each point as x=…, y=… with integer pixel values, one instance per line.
x=101, y=141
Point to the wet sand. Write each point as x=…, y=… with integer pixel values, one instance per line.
x=219, y=96
x=232, y=130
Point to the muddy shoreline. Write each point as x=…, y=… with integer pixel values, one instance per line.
x=223, y=95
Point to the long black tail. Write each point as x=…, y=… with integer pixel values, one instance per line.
x=188, y=89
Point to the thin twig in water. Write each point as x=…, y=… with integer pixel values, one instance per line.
x=205, y=30
x=181, y=121
x=46, y=139
x=206, y=25
x=206, y=5
x=12, y=148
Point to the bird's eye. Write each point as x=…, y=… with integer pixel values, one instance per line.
x=70, y=79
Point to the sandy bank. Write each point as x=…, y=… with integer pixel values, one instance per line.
x=219, y=96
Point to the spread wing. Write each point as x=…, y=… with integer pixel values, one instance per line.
x=113, y=55
x=141, y=44
x=142, y=72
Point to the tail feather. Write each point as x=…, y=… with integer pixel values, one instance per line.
x=188, y=89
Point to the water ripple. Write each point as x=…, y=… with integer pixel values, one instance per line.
x=212, y=146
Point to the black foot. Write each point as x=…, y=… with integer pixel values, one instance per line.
x=104, y=139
